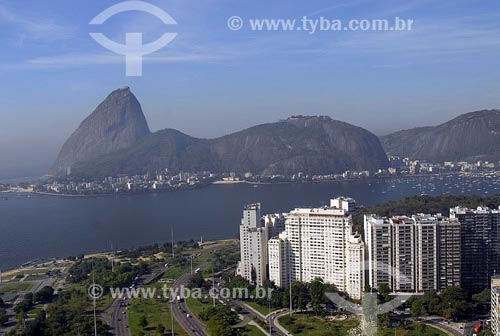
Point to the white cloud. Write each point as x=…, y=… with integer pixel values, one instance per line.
x=34, y=29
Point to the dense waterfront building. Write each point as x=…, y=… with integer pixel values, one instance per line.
x=479, y=239
x=318, y=243
x=406, y=253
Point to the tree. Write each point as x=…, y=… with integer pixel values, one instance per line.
x=317, y=290
x=143, y=322
x=384, y=320
x=44, y=295
x=219, y=327
x=160, y=329
x=196, y=281
x=417, y=309
x=300, y=295
x=384, y=293
x=25, y=304
x=454, y=302
x=483, y=299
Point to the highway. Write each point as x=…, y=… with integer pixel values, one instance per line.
x=116, y=316
x=191, y=324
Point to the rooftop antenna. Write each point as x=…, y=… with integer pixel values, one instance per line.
x=94, y=298
x=112, y=257
x=172, y=316
x=213, y=283
x=172, y=236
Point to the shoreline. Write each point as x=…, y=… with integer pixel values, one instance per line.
x=222, y=182
x=34, y=264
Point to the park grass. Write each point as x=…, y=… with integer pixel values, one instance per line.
x=264, y=310
x=251, y=330
x=412, y=330
x=9, y=292
x=196, y=306
x=173, y=272
x=104, y=302
x=156, y=310
x=15, y=287
x=305, y=324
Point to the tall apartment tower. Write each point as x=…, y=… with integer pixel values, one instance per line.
x=479, y=239
x=279, y=260
x=379, y=243
x=406, y=253
x=449, y=254
x=426, y=238
x=253, y=246
x=495, y=305
x=315, y=244
x=355, y=271
x=404, y=249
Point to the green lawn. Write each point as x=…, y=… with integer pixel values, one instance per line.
x=104, y=302
x=415, y=329
x=303, y=324
x=156, y=311
x=196, y=306
x=251, y=330
x=173, y=272
x=15, y=287
x=264, y=310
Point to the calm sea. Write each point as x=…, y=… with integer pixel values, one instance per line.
x=34, y=227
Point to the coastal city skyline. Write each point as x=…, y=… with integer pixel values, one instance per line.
x=412, y=66
x=250, y=168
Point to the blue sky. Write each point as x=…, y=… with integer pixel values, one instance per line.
x=211, y=81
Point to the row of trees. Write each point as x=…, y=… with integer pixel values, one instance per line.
x=123, y=275
x=219, y=321
x=302, y=294
x=452, y=303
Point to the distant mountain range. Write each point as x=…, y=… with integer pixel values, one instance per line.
x=115, y=139
x=470, y=136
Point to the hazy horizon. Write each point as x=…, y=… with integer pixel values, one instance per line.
x=211, y=81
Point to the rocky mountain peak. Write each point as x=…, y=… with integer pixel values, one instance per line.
x=117, y=123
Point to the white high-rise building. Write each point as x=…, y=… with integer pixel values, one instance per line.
x=279, y=261
x=379, y=242
x=355, y=273
x=315, y=245
x=274, y=223
x=346, y=203
x=253, y=246
x=405, y=252
x=427, y=242
x=495, y=305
